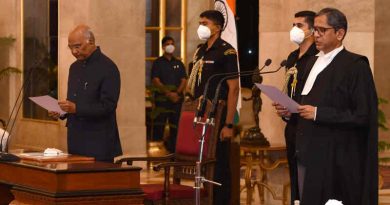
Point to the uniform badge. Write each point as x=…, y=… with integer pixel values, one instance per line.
x=230, y=51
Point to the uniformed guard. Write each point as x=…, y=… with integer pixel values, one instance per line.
x=214, y=57
x=169, y=75
x=301, y=34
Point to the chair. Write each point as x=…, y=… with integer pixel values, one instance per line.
x=183, y=161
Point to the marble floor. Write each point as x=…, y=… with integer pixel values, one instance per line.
x=150, y=176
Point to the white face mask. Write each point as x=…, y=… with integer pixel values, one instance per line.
x=169, y=49
x=297, y=35
x=204, y=32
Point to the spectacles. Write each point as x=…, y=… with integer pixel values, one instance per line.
x=75, y=46
x=321, y=30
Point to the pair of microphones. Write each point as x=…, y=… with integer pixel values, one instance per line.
x=200, y=110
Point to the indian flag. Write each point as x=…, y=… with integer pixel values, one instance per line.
x=228, y=9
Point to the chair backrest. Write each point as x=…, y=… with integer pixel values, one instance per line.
x=188, y=138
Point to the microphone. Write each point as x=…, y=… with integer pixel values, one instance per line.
x=5, y=156
x=202, y=102
x=282, y=64
x=211, y=113
x=266, y=63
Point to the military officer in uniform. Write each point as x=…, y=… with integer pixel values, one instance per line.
x=302, y=34
x=214, y=57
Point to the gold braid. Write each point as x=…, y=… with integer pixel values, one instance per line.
x=196, y=69
x=294, y=84
x=293, y=71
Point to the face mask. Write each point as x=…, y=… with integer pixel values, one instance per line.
x=297, y=35
x=169, y=49
x=204, y=32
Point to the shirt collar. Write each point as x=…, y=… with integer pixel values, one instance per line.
x=312, y=50
x=331, y=54
x=94, y=55
x=172, y=59
x=218, y=42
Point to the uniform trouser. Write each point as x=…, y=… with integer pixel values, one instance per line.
x=292, y=161
x=293, y=171
x=173, y=118
x=222, y=174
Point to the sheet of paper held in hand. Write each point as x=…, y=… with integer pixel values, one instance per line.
x=48, y=103
x=277, y=96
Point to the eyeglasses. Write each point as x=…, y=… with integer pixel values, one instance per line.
x=321, y=30
x=74, y=46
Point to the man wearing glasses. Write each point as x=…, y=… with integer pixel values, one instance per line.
x=92, y=98
x=337, y=132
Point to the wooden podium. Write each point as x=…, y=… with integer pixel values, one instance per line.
x=70, y=180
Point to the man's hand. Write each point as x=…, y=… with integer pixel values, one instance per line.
x=307, y=111
x=67, y=106
x=54, y=115
x=226, y=133
x=281, y=111
x=173, y=97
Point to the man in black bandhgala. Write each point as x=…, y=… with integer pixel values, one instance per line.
x=93, y=93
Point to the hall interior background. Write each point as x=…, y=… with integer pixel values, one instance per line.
x=119, y=27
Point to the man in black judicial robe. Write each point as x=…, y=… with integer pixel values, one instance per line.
x=337, y=132
x=93, y=93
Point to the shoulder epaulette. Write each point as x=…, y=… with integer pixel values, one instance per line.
x=230, y=51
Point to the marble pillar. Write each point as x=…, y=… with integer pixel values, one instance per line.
x=9, y=55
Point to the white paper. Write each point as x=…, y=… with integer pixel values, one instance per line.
x=48, y=103
x=278, y=96
x=52, y=152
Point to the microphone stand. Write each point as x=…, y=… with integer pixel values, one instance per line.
x=199, y=179
x=5, y=156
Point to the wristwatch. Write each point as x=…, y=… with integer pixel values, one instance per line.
x=229, y=125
